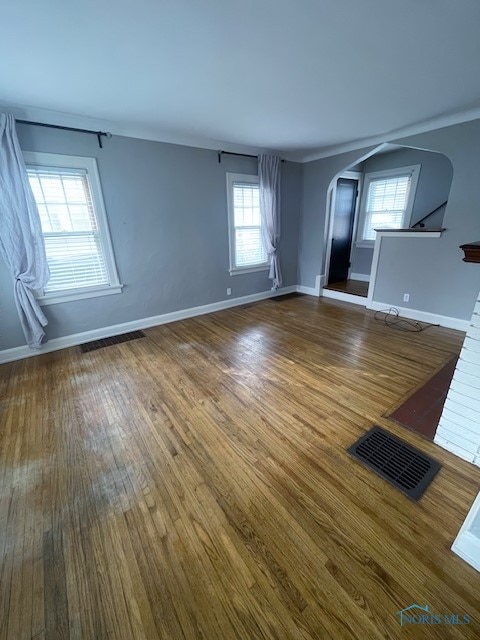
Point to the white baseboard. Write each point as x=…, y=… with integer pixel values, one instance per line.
x=309, y=291
x=363, y=277
x=18, y=353
x=344, y=297
x=313, y=291
x=422, y=316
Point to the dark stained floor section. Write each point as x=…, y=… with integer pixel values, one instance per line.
x=353, y=287
x=422, y=410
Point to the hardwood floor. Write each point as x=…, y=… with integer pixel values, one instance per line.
x=194, y=484
x=354, y=287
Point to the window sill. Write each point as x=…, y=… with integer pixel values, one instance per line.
x=70, y=296
x=238, y=272
x=365, y=244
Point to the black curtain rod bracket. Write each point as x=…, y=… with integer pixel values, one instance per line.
x=99, y=134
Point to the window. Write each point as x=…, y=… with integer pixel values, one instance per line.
x=74, y=225
x=387, y=202
x=247, y=252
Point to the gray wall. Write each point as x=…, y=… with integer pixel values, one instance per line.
x=362, y=260
x=431, y=270
x=433, y=188
x=167, y=211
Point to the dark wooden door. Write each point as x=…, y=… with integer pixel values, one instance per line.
x=344, y=215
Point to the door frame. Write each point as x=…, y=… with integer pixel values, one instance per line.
x=349, y=175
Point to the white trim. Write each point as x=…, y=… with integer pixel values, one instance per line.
x=377, y=246
x=91, y=292
x=466, y=544
x=344, y=297
x=239, y=272
x=453, y=448
x=362, y=277
x=231, y=179
x=413, y=171
x=313, y=291
x=18, y=353
x=35, y=158
x=367, y=244
x=158, y=135
x=351, y=175
x=329, y=208
x=422, y=316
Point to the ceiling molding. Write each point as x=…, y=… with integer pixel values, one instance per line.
x=392, y=136
x=157, y=135
x=124, y=129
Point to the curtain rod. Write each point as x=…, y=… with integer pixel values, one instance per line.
x=99, y=134
x=232, y=153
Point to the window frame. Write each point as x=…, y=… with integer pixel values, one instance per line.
x=39, y=159
x=234, y=270
x=413, y=171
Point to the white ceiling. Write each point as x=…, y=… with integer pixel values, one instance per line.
x=298, y=76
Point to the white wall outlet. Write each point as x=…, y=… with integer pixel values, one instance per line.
x=406, y=297
x=229, y=292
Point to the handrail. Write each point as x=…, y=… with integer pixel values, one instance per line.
x=420, y=222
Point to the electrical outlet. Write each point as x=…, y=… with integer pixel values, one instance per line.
x=229, y=292
x=406, y=297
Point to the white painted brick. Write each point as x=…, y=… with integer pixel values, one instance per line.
x=473, y=332
x=471, y=356
x=452, y=427
x=449, y=446
x=466, y=390
x=467, y=445
x=461, y=421
x=467, y=378
x=459, y=427
x=466, y=401
x=461, y=409
x=467, y=367
x=471, y=344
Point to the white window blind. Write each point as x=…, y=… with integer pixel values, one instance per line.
x=249, y=250
x=73, y=243
x=386, y=206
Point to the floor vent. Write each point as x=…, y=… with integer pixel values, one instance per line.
x=106, y=342
x=286, y=296
x=407, y=468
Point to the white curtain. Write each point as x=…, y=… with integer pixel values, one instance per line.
x=269, y=181
x=21, y=240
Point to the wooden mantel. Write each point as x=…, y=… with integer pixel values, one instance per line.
x=472, y=251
